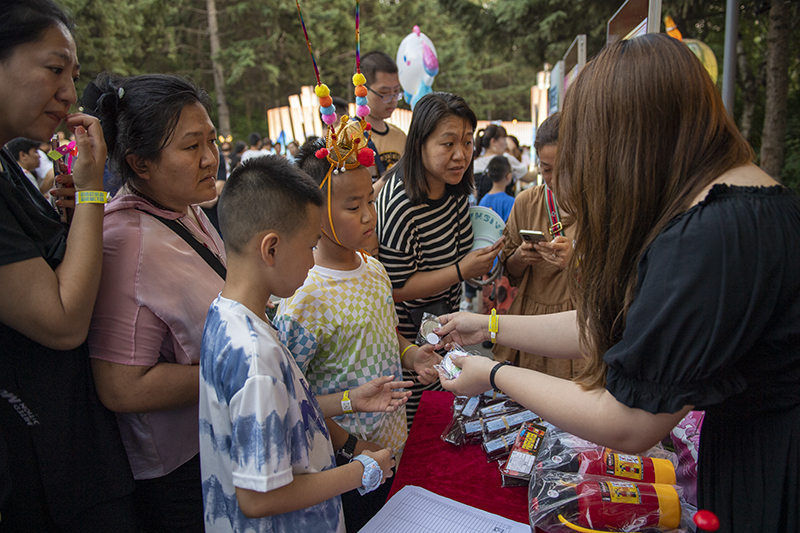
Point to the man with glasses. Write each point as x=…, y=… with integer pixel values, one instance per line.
x=384, y=94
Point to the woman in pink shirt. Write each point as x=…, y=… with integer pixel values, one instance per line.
x=156, y=287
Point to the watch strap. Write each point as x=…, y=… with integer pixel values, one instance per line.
x=372, y=476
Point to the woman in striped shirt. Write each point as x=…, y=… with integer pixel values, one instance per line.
x=423, y=218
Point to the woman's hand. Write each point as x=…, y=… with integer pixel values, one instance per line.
x=474, y=377
x=64, y=193
x=556, y=252
x=385, y=459
x=91, y=160
x=479, y=262
x=424, y=359
x=527, y=255
x=380, y=395
x=463, y=328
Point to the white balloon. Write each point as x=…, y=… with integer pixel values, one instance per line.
x=417, y=64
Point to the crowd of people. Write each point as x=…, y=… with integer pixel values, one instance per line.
x=151, y=383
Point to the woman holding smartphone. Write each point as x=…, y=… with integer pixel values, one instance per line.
x=62, y=465
x=536, y=263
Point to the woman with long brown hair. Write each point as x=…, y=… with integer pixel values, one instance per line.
x=687, y=287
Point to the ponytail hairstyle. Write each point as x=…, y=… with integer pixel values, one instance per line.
x=485, y=135
x=139, y=115
x=643, y=132
x=25, y=21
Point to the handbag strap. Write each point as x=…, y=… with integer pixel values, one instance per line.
x=210, y=257
x=556, y=227
x=380, y=167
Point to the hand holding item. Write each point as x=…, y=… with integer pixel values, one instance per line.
x=527, y=254
x=463, y=328
x=380, y=395
x=424, y=360
x=479, y=262
x=91, y=160
x=557, y=252
x=474, y=376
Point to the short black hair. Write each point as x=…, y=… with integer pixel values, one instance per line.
x=547, y=133
x=254, y=138
x=264, y=193
x=307, y=160
x=24, y=21
x=375, y=62
x=432, y=108
x=139, y=114
x=498, y=168
x=21, y=144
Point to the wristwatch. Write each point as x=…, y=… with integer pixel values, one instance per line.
x=372, y=476
x=345, y=454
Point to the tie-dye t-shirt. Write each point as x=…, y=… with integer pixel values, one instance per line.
x=340, y=327
x=260, y=424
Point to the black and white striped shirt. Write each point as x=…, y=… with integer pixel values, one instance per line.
x=421, y=238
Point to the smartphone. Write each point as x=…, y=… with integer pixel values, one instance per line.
x=532, y=236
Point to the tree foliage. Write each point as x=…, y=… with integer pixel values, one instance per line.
x=489, y=50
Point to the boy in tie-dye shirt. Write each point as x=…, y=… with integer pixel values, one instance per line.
x=266, y=455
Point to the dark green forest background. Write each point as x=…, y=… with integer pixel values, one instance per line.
x=489, y=52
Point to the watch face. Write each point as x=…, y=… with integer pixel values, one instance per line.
x=372, y=476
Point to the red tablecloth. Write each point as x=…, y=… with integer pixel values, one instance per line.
x=459, y=473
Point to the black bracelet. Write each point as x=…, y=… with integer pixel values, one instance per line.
x=458, y=271
x=493, y=372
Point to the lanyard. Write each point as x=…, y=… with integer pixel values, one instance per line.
x=556, y=227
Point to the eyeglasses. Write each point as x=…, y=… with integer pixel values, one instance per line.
x=387, y=98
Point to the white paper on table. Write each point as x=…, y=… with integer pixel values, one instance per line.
x=416, y=510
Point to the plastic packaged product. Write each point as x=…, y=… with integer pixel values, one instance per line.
x=517, y=469
x=463, y=409
x=561, y=502
x=626, y=466
x=500, y=408
x=564, y=452
x=499, y=424
x=447, y=367
x=500, y=446
x=425, y=335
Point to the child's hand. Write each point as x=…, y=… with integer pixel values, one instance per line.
x=424, y=359
x=385, y=459
x=380, y=395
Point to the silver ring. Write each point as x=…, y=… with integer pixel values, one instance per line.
x=554, y=255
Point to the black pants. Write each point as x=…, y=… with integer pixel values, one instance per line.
x=171, y=503
x=359, y=509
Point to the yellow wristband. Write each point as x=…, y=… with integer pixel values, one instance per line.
x=494, y=324
x=91, y=197
x=403, y=353
x=347, y=406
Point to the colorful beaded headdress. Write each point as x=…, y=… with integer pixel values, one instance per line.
x=345, y=148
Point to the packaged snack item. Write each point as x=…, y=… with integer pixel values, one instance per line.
x=425, y=335
x=464, y=409
x=499, y=424
x=517, y=469
x=565, y=452
x=625, y=466
x=447, y=367
x=500, y=446
x=562, y=503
